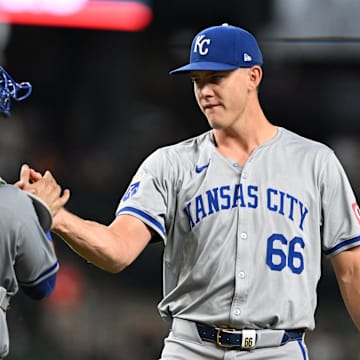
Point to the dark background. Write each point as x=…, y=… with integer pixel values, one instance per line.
x=103, y=100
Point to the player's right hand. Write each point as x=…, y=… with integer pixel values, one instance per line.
x=43, y=186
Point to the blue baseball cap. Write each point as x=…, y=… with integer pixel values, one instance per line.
x=222, y=48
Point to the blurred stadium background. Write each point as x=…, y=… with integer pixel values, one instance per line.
x=103, y=100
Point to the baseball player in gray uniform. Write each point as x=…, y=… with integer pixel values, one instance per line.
x=244, y=210
x=27, y=254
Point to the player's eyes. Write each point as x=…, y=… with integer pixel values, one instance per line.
x=219, y=76
x=215, y=78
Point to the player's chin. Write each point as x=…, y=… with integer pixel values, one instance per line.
x=213, y=120
x=214, y=127
x=215, y=123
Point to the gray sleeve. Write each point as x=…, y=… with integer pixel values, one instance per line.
x=341, y=223
x=24, y=242
x=149, y=193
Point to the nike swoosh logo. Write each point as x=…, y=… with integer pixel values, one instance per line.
x=200, y=169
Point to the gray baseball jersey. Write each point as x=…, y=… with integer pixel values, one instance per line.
x=26, y=254
x=243, y=244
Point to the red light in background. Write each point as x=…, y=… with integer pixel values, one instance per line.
x=91, y=14
x=70, y=288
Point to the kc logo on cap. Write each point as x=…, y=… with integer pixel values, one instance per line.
x=222, y=48
x=201, y=45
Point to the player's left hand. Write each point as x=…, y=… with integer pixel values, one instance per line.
x=43, y=186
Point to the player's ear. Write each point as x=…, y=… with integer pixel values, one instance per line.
x=255, y=76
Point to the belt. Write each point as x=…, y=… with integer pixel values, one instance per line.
x=247, y=339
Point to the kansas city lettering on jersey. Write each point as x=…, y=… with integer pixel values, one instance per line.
x=232, y=196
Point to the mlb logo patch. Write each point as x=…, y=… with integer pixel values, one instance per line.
x=356, y=210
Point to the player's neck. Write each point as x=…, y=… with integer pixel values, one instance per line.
x=238, y=144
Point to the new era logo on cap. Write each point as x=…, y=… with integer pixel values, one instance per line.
x=247, y=57
x=222, y=48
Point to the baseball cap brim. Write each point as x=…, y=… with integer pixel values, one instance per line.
x=203, y=66
x=42, y=211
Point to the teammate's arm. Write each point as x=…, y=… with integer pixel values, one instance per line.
x=347, y=269
x=111, y=248
x=42, y=289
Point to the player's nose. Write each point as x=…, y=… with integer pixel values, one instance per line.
x=205, y=89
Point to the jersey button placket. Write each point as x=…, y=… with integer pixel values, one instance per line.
x=242, y=258
x=237, y=312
